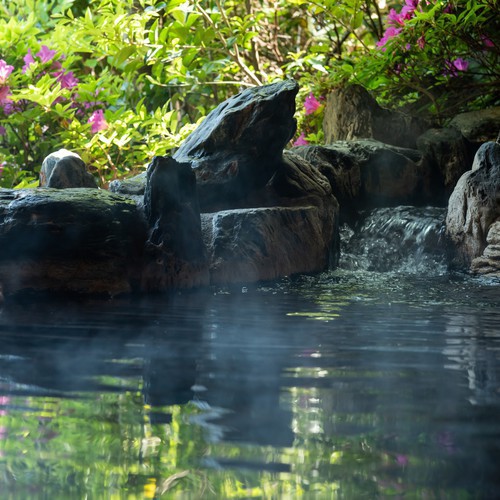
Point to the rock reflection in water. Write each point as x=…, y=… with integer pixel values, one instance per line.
x=348, y=384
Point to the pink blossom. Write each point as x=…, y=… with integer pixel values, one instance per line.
x=28, y=61
x=408, y=10
x=3, y=130
x=301, y=140
x=453, y=67
x=311, y=104
x=461, y=64
x=45, y=54
x=448, y=9
x=98, y=121
x=395, y=19
x=487, y=42
x=67, y=80
x=390, y=32
x=5, y=71
x=4, y=92
x=421, y=42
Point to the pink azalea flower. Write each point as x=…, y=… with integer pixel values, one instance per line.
x=98, y=121
x=421, y=42
x=5, y=71
x=67, y=80
x=28, y=61
x=395, y=19
x=311, y=104
x=487, y=42
x=45, y=54
x=4, y=92
x=301, y=140
x=390, y=32
x=448, y=9
x=461, y=64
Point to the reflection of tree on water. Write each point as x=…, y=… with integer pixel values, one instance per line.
x=468, y=350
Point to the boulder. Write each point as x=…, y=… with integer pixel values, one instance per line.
x=79, y=240
x=295, y=228
x=351, y=113
x=239, y=145
x=474, y=206
x=255, y=244
x=175, y=253
x=64, y=169
x=489, y=263
x=449, y=154
x=478, y=126
x=367, y=174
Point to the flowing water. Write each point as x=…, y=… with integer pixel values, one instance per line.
x=351, y=384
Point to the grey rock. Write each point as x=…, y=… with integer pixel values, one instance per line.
x=64, y=169
x=450, y=156
x=474, y=206
x=478, y=126
x=367, y=174
x=351, y=113
x=239, y=145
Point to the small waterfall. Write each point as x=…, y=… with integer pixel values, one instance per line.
x=398, y=239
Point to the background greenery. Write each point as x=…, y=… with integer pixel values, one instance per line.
x=145, y=72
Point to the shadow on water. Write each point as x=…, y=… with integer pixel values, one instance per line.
x=350, y=384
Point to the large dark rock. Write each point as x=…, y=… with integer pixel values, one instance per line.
x=175, y=253
x=82, y=240
x=294, y=230
x=367, y=174
x=474, y=206
x=450, y=155
x=478, y=126
x=351, y=113
x=64, y=169
x=255, y=244
x=239, y=145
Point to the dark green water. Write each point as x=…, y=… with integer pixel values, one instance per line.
x=345, y=385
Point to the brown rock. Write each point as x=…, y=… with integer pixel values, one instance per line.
x=352, y=113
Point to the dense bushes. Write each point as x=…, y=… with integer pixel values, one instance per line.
x=120, y=81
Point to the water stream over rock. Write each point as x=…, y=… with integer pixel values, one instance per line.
x=402, y=239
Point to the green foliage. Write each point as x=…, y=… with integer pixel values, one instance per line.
x=444, y=60
x=131, y=79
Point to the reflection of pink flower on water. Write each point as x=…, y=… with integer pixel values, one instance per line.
x=4, y=400
x=311, y=104
x=402, y=460
x=98, y=121
x=446, y=441
x=301, y=140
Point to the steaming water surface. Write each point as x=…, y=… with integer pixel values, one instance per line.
x=344, y=385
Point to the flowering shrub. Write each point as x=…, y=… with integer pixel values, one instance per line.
x=118, y=81
x=437, y=58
